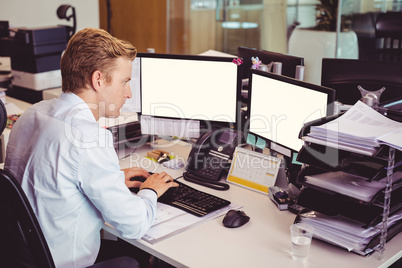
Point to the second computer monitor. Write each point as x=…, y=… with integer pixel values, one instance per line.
x=279, y=107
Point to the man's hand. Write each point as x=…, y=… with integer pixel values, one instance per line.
x=160, y=182
x=133, y=172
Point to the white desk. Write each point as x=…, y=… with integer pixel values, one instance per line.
x=262, y=242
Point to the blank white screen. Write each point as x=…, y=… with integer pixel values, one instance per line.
x=191, y=89
x=278, y=109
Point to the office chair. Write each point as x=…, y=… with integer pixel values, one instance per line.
x=62, y=14
x=22, y=242
x=345, y=75
x=388, y=27
x=363, y=24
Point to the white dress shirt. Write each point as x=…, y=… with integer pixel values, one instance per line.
x=70, y=172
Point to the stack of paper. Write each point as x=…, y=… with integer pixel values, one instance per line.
x=346, y=233
x=361, y=129
x=348, y=184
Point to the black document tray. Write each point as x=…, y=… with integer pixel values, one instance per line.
x=334, y=204
x=377, y=199
x=372, y=168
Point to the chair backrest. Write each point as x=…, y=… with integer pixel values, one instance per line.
x=344, y=75
x=22, y=241
x=3, y=117
x=389, y=27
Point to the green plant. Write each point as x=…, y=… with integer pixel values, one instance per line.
x=327, y=13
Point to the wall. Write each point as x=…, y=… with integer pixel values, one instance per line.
x=274, y=26
x=42, y=13
x=142, y=22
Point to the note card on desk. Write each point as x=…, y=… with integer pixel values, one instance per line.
x=254, y=170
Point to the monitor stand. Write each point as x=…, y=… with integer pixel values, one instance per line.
x=281, y=179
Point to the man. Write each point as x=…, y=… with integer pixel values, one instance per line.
x=66, y=162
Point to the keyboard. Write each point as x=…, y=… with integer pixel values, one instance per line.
x=189, y=199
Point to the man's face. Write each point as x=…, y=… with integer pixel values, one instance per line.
x=115, y=94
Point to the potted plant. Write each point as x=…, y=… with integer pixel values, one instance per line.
x=319, y=41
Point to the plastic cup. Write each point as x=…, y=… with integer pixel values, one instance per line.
x=301, y=235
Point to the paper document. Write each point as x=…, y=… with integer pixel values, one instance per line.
x=346, y=233
x=11, y=109
x=215, y=53
x=361, y=128
x=170, y=221
x=393, y=139
x=349, y=184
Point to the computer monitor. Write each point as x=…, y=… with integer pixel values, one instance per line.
x=199, y=91
x=279, y=107
x=289, y=62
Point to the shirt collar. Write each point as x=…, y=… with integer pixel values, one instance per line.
x=74, y=100
x=71, y=98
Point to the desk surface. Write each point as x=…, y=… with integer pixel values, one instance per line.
x=262, y=242
x=19, y=103
x=16, y=104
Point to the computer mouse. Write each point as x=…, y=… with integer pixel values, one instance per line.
x=235, y=218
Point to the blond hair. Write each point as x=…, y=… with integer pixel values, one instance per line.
x=91, y=50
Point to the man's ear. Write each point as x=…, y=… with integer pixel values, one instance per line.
x=97, y=80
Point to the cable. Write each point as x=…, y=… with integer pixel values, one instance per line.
x=220, y=186
x=178, y=178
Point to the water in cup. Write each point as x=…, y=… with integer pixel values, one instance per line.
x=300, y=247
x=301, y=235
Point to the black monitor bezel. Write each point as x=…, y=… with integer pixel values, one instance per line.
x=289, y=62
x=330, y=101
x=204, y=124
